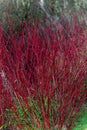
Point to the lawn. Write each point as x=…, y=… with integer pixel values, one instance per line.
x=81, y=119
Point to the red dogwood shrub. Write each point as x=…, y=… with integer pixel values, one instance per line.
x=44, y=63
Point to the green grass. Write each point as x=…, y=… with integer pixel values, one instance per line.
x=81, y=118
x=26, y=120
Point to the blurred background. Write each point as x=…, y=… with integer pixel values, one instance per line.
x=21, y=9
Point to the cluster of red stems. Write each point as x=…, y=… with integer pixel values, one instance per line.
x=44, y=62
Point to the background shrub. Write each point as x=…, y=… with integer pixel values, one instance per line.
x=24, y=9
